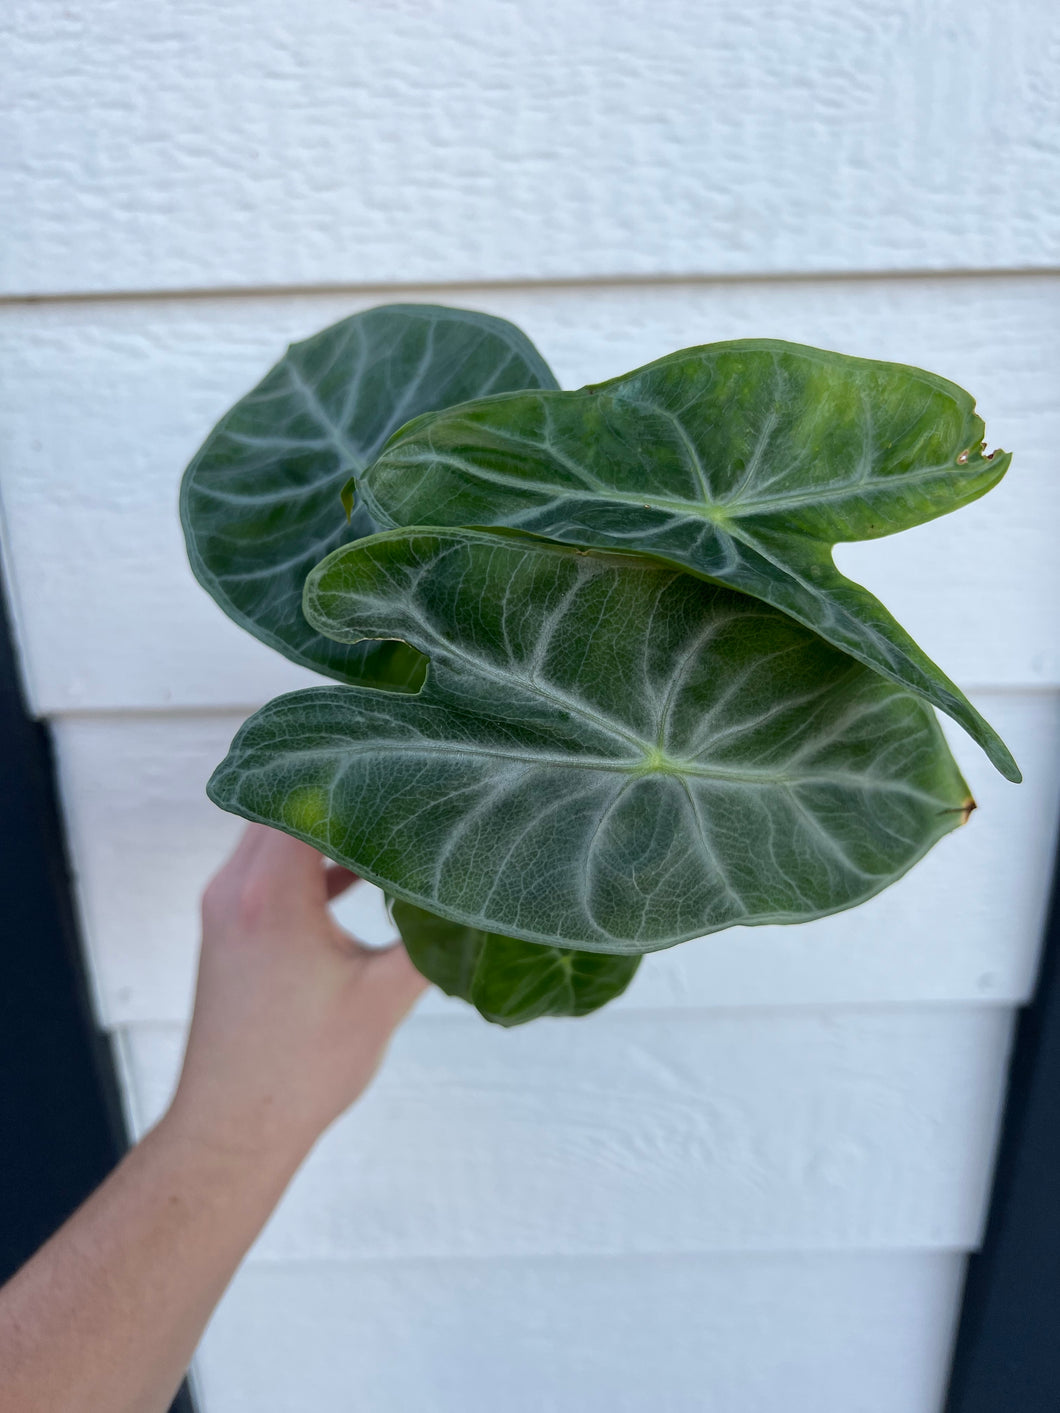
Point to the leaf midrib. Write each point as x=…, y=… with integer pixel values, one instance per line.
x=719, y=512
x=620, y=767
x=338, y=436
x=445, y=648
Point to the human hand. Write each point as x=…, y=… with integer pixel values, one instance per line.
x=292, y=1015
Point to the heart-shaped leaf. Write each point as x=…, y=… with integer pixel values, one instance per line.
x=742, y=462
x=507, y=981
x=607, y=754
x=260, y=503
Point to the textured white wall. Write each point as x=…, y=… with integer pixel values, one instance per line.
x=857, y=1333
x=749, y=1185
x=206, y=143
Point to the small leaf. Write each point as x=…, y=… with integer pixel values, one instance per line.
x=507, y=981
x=741, y=462
x=260, y=501
x=606, y=755
x=348, y=495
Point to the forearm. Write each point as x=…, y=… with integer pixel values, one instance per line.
x=105, y=1318
x=291, y=1019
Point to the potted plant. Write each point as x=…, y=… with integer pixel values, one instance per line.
x=598, y=686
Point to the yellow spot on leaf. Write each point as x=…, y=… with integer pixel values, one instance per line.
x=306, y=809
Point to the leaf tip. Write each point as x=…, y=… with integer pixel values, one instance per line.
x=1002, y=759
x=964, y=810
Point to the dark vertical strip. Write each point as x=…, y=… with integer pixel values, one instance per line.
x=1007, y=1356
x=61, y=1128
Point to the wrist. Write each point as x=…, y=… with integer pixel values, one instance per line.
x=260, y=1139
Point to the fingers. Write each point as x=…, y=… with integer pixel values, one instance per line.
x=272, y=874
x=337, y=879
x=287, y=861
x=232, y=877
x=242, y=856
x=274, y=865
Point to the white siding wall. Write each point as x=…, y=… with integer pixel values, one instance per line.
x=750, y=1184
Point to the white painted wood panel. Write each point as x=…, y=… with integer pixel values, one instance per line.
x=963, y=925
x=101, y=407
x=765, y=1334
x=187, y=143
x=839, y=1129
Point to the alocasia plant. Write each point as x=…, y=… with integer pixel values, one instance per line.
x=600, y=688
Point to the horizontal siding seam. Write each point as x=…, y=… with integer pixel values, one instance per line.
x=684, y=1255
x=629, y=281
x=679, y=1015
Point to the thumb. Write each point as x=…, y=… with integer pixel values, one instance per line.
x=394, y=982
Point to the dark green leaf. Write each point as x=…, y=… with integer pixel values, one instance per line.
x=607, y=754
x=508, y=981
x=742, y=462
x=263, y=500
